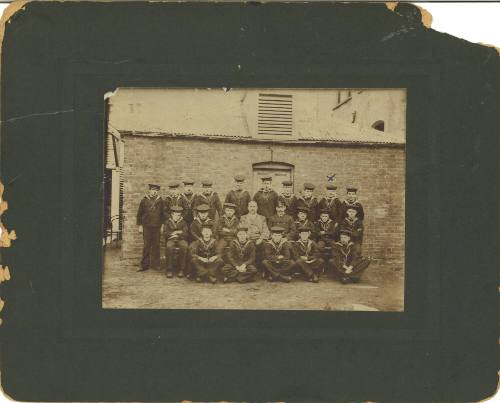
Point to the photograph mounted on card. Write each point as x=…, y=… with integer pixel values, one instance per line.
x=255, y=198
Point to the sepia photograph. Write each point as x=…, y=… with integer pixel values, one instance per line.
x=254, y=198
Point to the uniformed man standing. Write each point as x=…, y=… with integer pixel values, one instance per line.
x=352, y=201
x=266, y=198
x=238, y=196
x=150, y=218
x=173, y=197
x=176, y=246
x=308, y=200
x=332, y=203
x=288, y=198
x=188, y=199
x=225, y=228
x=280, y=219
x=276, y=257
x=347, y=262
x=240, y=264
x=210, y=198
x=306, y=255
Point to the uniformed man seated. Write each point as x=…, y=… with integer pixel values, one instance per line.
x=302, y=221
x=346, y=263
x=276, y=258
x=200, y=220
x=176, y=234
x=353, y=224
x=280, y=219
x=204, y=257
x=226, y=227
x=306, y=255
x=326, y=230
x=240, y=261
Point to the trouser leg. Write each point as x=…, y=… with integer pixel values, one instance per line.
x=357, y=271
x=151, y=249
x=248, y=275
x=146, y=249
x=230, y=272
x=155, y=248
x=213, y=267
x=182, y=257
x=169, y=255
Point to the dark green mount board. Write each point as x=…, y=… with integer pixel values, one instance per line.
x=58, y=60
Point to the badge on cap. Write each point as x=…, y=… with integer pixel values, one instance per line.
x=153, y=186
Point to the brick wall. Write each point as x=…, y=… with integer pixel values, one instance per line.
x=378, y=171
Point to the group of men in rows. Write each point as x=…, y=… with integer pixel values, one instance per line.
x=275, y=234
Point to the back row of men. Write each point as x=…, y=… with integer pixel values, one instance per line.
x=181, y=217
x=267, y=200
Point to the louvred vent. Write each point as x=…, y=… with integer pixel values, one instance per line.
x=275, y=114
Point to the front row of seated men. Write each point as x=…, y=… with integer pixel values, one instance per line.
x=236, y=248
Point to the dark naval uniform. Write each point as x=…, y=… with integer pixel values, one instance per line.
x=206, y=250
x=305, y=223
x=195, y=228
x=290, y=203
x=355, y=227
x=171, y=201
x=213, y=202
x=237, y=255
x=356, y=205
x=285, y=221
x=240, y=198
x=266, y=202
x=348, y=255
x=333, y=205
x=225, y=230
x=151, y=216
x=307, y=258
x=188, y=207
x=311, y=204
x=326, y=232
x=176, y=235
x=277, y=260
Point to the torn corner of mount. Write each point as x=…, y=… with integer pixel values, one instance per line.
x=110, y=94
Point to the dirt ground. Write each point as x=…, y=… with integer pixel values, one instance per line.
x=380, y=289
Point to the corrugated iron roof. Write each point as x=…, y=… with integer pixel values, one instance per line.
x=358, y=138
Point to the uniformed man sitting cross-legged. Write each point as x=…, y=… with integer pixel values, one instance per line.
x=276, y=258
x=240, y=260
x=347, y=263
x=150, y=218
x=176, y=246
x=204, y=257
x=306, y=255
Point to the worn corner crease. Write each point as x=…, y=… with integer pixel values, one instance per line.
x=12, y=9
